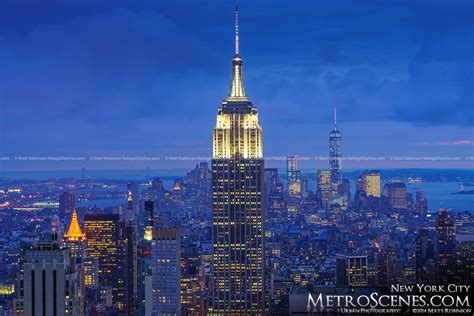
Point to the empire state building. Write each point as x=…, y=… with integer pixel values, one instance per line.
x=237, y=182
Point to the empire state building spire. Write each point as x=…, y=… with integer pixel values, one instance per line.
x=237, y=91
x=237, y=43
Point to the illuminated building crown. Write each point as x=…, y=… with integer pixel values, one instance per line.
x=237, y=133
x=74, y=232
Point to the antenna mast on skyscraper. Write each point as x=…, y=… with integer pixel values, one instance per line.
x=237, y=43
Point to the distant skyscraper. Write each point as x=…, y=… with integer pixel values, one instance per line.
x=55, y=224
x=149, y=219
x=421, y=204
x=130, y=211
x=304, y=186
x=102, y=232
x=370, y=181
x=166, y=258
x=191, y=294
x=425, y=260
x=293, y=176
x=238, y=185
x=345, y=190
x=465, y=259
x=351, y=271
x=49, y=283
x=112, y=242
x=134, y=191
x=360, y=195
x=144, y=262
x=446, y=247
x=335, y=157
x=128, y=260
x=67, y=204
x=323, y=190
x=276, y=200
x=271, y=180
x=75, y=240
x=200, y=177
x=74, y=235
x=389, y=266
x=157, y=184
x=396, y=195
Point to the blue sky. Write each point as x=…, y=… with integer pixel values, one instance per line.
x=86, y=78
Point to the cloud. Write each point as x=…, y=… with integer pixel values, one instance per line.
x=125, y=75
x=92, y=79
x=449, y=143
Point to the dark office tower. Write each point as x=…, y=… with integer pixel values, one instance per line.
x=389, y=266
x=360, y=199
x=396, y=196
x=271, y=181
x=304, y=186
x=49, y=282
x=128, y=267
x=166, y=257
x=351, y=271
x=67, y=204
x=83, y=173
x=360, y=196
x=238, y=185
x=111, y=242
x=425, y=260
x=335, y=158
x=421, y=204
x=293, y=176
x=446, y=247
x=345, y=190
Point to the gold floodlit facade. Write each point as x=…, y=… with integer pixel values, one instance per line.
x=371, y=183
x=238, y=184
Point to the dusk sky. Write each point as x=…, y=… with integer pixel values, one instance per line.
x=87, y=78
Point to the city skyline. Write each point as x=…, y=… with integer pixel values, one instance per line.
x=317, y=64
x=374, y=213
